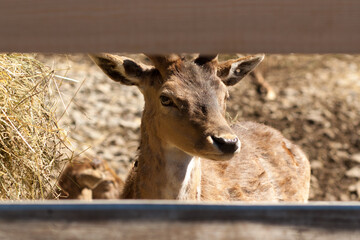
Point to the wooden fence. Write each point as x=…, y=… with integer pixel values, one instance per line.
x=161, y=26
x=178, y=220
x=158, y=26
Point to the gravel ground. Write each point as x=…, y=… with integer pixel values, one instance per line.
x=318, y=107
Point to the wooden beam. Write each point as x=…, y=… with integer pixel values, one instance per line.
x=159, y=26
x=177, y=220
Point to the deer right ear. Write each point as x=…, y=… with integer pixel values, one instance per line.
x=121, y=69
x=232, y=71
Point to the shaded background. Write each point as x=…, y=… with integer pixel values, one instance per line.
x=317, y=107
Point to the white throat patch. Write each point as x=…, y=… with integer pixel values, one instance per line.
x=193, y=171
x=183, y=174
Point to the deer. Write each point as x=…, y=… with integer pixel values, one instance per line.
x=87, y=178
x=188, y=150
x=262, y=86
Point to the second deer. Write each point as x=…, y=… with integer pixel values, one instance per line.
x=188, y=150
x=87, y=178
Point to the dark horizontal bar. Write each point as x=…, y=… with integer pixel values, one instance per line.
x=320, y=215
x=161, y=26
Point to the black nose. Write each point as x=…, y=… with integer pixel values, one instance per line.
x=227, y=145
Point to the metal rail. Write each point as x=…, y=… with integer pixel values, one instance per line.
x=177, y=220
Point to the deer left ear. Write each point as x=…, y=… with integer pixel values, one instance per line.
x=122, y=69
x=232, y=71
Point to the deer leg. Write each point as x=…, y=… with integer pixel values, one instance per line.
x=262, y=85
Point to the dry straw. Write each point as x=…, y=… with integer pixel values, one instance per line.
x=30, y=140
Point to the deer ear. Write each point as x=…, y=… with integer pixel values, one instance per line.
x=89, y=178
x=205, y=59
x=232, y=71
x=121, y=69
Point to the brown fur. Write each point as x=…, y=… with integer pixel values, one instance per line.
x=264, y=171
x=189, y=151
x=89, y=178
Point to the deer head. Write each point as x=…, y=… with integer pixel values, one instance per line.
x=185, y=100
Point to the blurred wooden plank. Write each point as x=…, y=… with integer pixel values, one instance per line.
x=158, y=26
x=177, y=220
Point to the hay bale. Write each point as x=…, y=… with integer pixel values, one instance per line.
x=30, y=140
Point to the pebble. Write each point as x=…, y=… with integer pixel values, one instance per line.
x=315, y=116
x=355, y=157
x=344, y=197
x=316, y=164
x=358, y=189
x=135, y=124
x=343, y=155
x=353, y=172
x=335, y=145
x=355, y=187
x=329, y=133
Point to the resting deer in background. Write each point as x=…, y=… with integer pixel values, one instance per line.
x=262, y=86
x=89, y=178
x=188, y=150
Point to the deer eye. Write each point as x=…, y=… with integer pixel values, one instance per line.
x=166, y=101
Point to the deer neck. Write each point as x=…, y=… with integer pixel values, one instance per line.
x=166, y=172
x=183, y=173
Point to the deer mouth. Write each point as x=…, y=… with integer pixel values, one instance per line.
x=224, y=147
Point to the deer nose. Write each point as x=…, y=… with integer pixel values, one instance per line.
x=227, y=145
